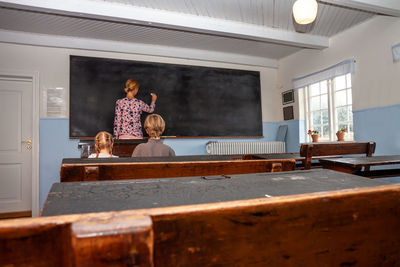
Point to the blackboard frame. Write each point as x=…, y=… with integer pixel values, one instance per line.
x=231, y=87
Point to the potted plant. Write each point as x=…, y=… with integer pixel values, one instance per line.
x=314, y=135
x=340, y=134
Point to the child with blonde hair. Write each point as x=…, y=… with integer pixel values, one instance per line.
x=154, y=126
x=103, y=146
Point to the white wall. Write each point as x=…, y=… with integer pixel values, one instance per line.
x=53, y=67
x=376, y=81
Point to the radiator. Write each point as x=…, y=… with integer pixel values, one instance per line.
x=229, y=148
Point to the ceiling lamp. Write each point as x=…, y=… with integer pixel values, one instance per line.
x=305, y=11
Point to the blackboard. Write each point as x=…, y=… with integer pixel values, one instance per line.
x=194, y=101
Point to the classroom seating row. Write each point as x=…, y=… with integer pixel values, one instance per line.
x=183, y=166
x=358, y=226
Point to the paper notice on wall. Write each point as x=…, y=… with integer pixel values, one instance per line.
x=55, y=104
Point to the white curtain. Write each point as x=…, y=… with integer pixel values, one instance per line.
x=341, y=68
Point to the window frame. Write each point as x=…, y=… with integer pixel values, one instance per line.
x=333, y=123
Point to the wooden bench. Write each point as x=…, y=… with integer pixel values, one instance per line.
x=336, y=228
x=132, y=168
x=308, y=151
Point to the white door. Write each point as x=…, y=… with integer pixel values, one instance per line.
x=15, y=148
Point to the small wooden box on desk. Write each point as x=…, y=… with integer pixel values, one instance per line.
x=123, y=148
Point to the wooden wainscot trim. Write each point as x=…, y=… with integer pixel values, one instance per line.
x=100, y=239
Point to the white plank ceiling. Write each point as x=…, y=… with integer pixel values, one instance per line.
x=248, y=28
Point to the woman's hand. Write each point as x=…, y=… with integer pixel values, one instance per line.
x=153, y=97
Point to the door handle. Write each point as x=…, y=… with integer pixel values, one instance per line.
x=28, y=143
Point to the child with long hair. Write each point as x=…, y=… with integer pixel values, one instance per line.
x=104, y=143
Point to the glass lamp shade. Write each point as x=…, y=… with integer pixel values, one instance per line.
x=305, y=11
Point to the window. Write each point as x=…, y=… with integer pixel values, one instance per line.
x=329, y=107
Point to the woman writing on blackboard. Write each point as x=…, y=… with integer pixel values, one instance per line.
x=128, y=110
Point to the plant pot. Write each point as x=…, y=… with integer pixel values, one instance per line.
x=315, y=138
x=340, y=136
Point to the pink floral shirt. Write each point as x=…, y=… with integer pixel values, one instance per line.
x=127, y=116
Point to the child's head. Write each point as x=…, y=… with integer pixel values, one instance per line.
x=104, y=140
x=154, y=125
x=131, y=85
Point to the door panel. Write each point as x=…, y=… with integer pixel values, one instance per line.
x=15, y=155
x=10, y=180
x=10, y=121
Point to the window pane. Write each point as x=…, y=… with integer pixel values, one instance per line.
x=340, y=98
x=325, y=132
x=317, y=128
x=314, y=89
x=325, y=117
x=340, y=82
x=315, y=103
x=341, y=115
x=349, y=97
x=324, y=87
x=350, y=111
x=316, y=117
x=324, y=101
x=348, y=80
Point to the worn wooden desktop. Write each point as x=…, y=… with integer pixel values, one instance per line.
x=84, y=197
x=160, y=167
x=362, y=165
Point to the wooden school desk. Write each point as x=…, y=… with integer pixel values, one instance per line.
x=84, y=197
x=362, y=165
x=359, y=226
x=310, y=153
x=160, y=167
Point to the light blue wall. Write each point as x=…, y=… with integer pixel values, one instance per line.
x=381, y=125
x=56, y=145
x=295, y=135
